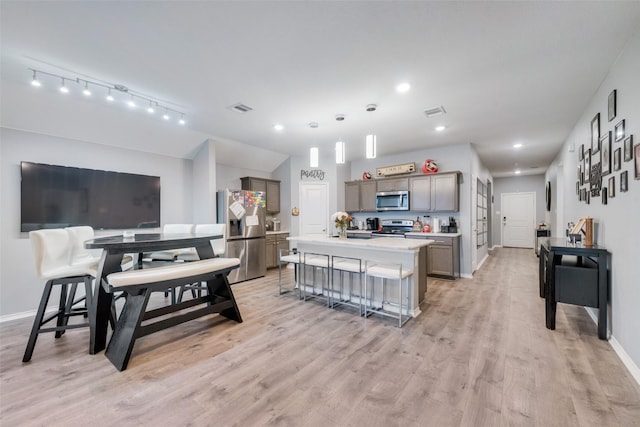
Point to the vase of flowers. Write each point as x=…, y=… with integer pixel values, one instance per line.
x=342, y=220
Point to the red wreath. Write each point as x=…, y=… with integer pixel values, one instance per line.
x=366, y=175
x=429, y=166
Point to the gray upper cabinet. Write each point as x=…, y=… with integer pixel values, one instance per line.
x=360, y=196
x=269, y=186
x=395, y=184
x=435, y=193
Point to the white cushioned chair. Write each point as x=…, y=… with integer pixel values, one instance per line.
x=52, y=249
x=170, y=255
x=190, y=254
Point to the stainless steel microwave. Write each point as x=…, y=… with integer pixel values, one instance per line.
x=392, y=201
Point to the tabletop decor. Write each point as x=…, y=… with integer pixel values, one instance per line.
x=342, y=220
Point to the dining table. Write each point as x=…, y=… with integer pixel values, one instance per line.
x=113, y=250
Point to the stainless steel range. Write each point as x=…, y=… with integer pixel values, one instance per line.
x=394, y=228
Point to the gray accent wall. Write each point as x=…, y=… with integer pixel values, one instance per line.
x=616, y=224
x=517, y=184
x=20, y=289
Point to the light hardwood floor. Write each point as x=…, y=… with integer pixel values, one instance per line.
x=479, y=355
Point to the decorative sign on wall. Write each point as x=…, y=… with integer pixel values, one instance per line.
x=312, y=174
x=396, y=170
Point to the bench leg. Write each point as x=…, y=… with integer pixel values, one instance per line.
x=124, y=336
x=219, y=287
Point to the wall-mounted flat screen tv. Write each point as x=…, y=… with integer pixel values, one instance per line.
x=61, y=196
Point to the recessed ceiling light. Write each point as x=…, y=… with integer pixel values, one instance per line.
x=440, y=128
x=518, y=145
x=371, y=107
x=403, y=87
x=278, y=127
x=517, y=172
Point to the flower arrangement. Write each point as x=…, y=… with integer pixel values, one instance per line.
x=341, y=219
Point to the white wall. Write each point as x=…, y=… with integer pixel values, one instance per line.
x=20, y=289
x=204, y=184
x=517, y=184
x=617, y=227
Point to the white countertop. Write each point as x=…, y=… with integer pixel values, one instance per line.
x=427, y=235
x=374, y=243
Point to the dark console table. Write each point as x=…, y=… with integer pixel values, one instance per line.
x=582, y=280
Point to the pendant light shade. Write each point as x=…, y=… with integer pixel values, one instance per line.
x=340, y=152
x=371, y=147
x=313, y=157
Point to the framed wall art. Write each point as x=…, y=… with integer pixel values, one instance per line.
x=617, y=161
x=612, y=187
x=636, y=153
x=624, y=181
x=595, y=134
x=604, y=195
x=587, y=166
x=619, y=130
x=628, y=148
x=612, y=105
x=581, y=152
x=605, y=156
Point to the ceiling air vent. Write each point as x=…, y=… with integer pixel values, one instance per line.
x=240, y=108
x=435, y=111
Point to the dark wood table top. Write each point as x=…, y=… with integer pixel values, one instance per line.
x=145, y=242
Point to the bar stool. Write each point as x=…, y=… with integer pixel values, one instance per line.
x=349, y=265
x=315, y=261
x=386, y=271
x=294, y=257
x=52, y=250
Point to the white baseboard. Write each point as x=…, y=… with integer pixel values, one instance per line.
x=17, y=316
x=495, y=246
x=466, y=276
x=628, y=362
x=486, y=257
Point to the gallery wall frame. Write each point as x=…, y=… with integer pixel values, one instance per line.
x=595, y=134
x=612, y=105
x=619, y=131
x=605, y=155
x=628, y=148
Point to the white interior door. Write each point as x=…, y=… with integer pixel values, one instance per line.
x=314, y=207
x=518, y=219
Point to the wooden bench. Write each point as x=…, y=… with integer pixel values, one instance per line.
x=139, y=284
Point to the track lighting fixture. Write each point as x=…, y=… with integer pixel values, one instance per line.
x=63, y=88
x=35, y=81
x=134, y=96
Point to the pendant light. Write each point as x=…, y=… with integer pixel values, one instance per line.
x=370, y=141
x=313, y=157
x=340, y=152
x=371, y=147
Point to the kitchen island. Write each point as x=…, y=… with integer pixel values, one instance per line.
x=411, y=253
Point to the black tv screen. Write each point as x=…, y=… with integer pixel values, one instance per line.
x=61, y=196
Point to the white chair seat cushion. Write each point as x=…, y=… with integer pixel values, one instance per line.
x=169, y=272
x=316, y=261
x=192, y=255
x=168, y=255
x=387, y=272
x=293, y=258
x=349, y=265
x=84, y=269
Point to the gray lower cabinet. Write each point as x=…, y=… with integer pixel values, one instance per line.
x=275, y=242
x=443, y=257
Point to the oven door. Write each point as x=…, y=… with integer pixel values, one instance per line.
x=392, y=201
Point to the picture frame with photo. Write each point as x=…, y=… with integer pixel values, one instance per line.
x=617, y=159
x=605, y=155
x=624, y=181
x=586, y=169
x=628, y=148
x=581, y=152
x=604, y=196
x=619, y=131
x=595, y=134
x=612, y=105
x=612, y=187
x=636, y=153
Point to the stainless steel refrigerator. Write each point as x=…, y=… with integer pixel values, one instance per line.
x=244, y=214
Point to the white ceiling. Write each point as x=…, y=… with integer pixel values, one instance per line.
x=506, y=72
